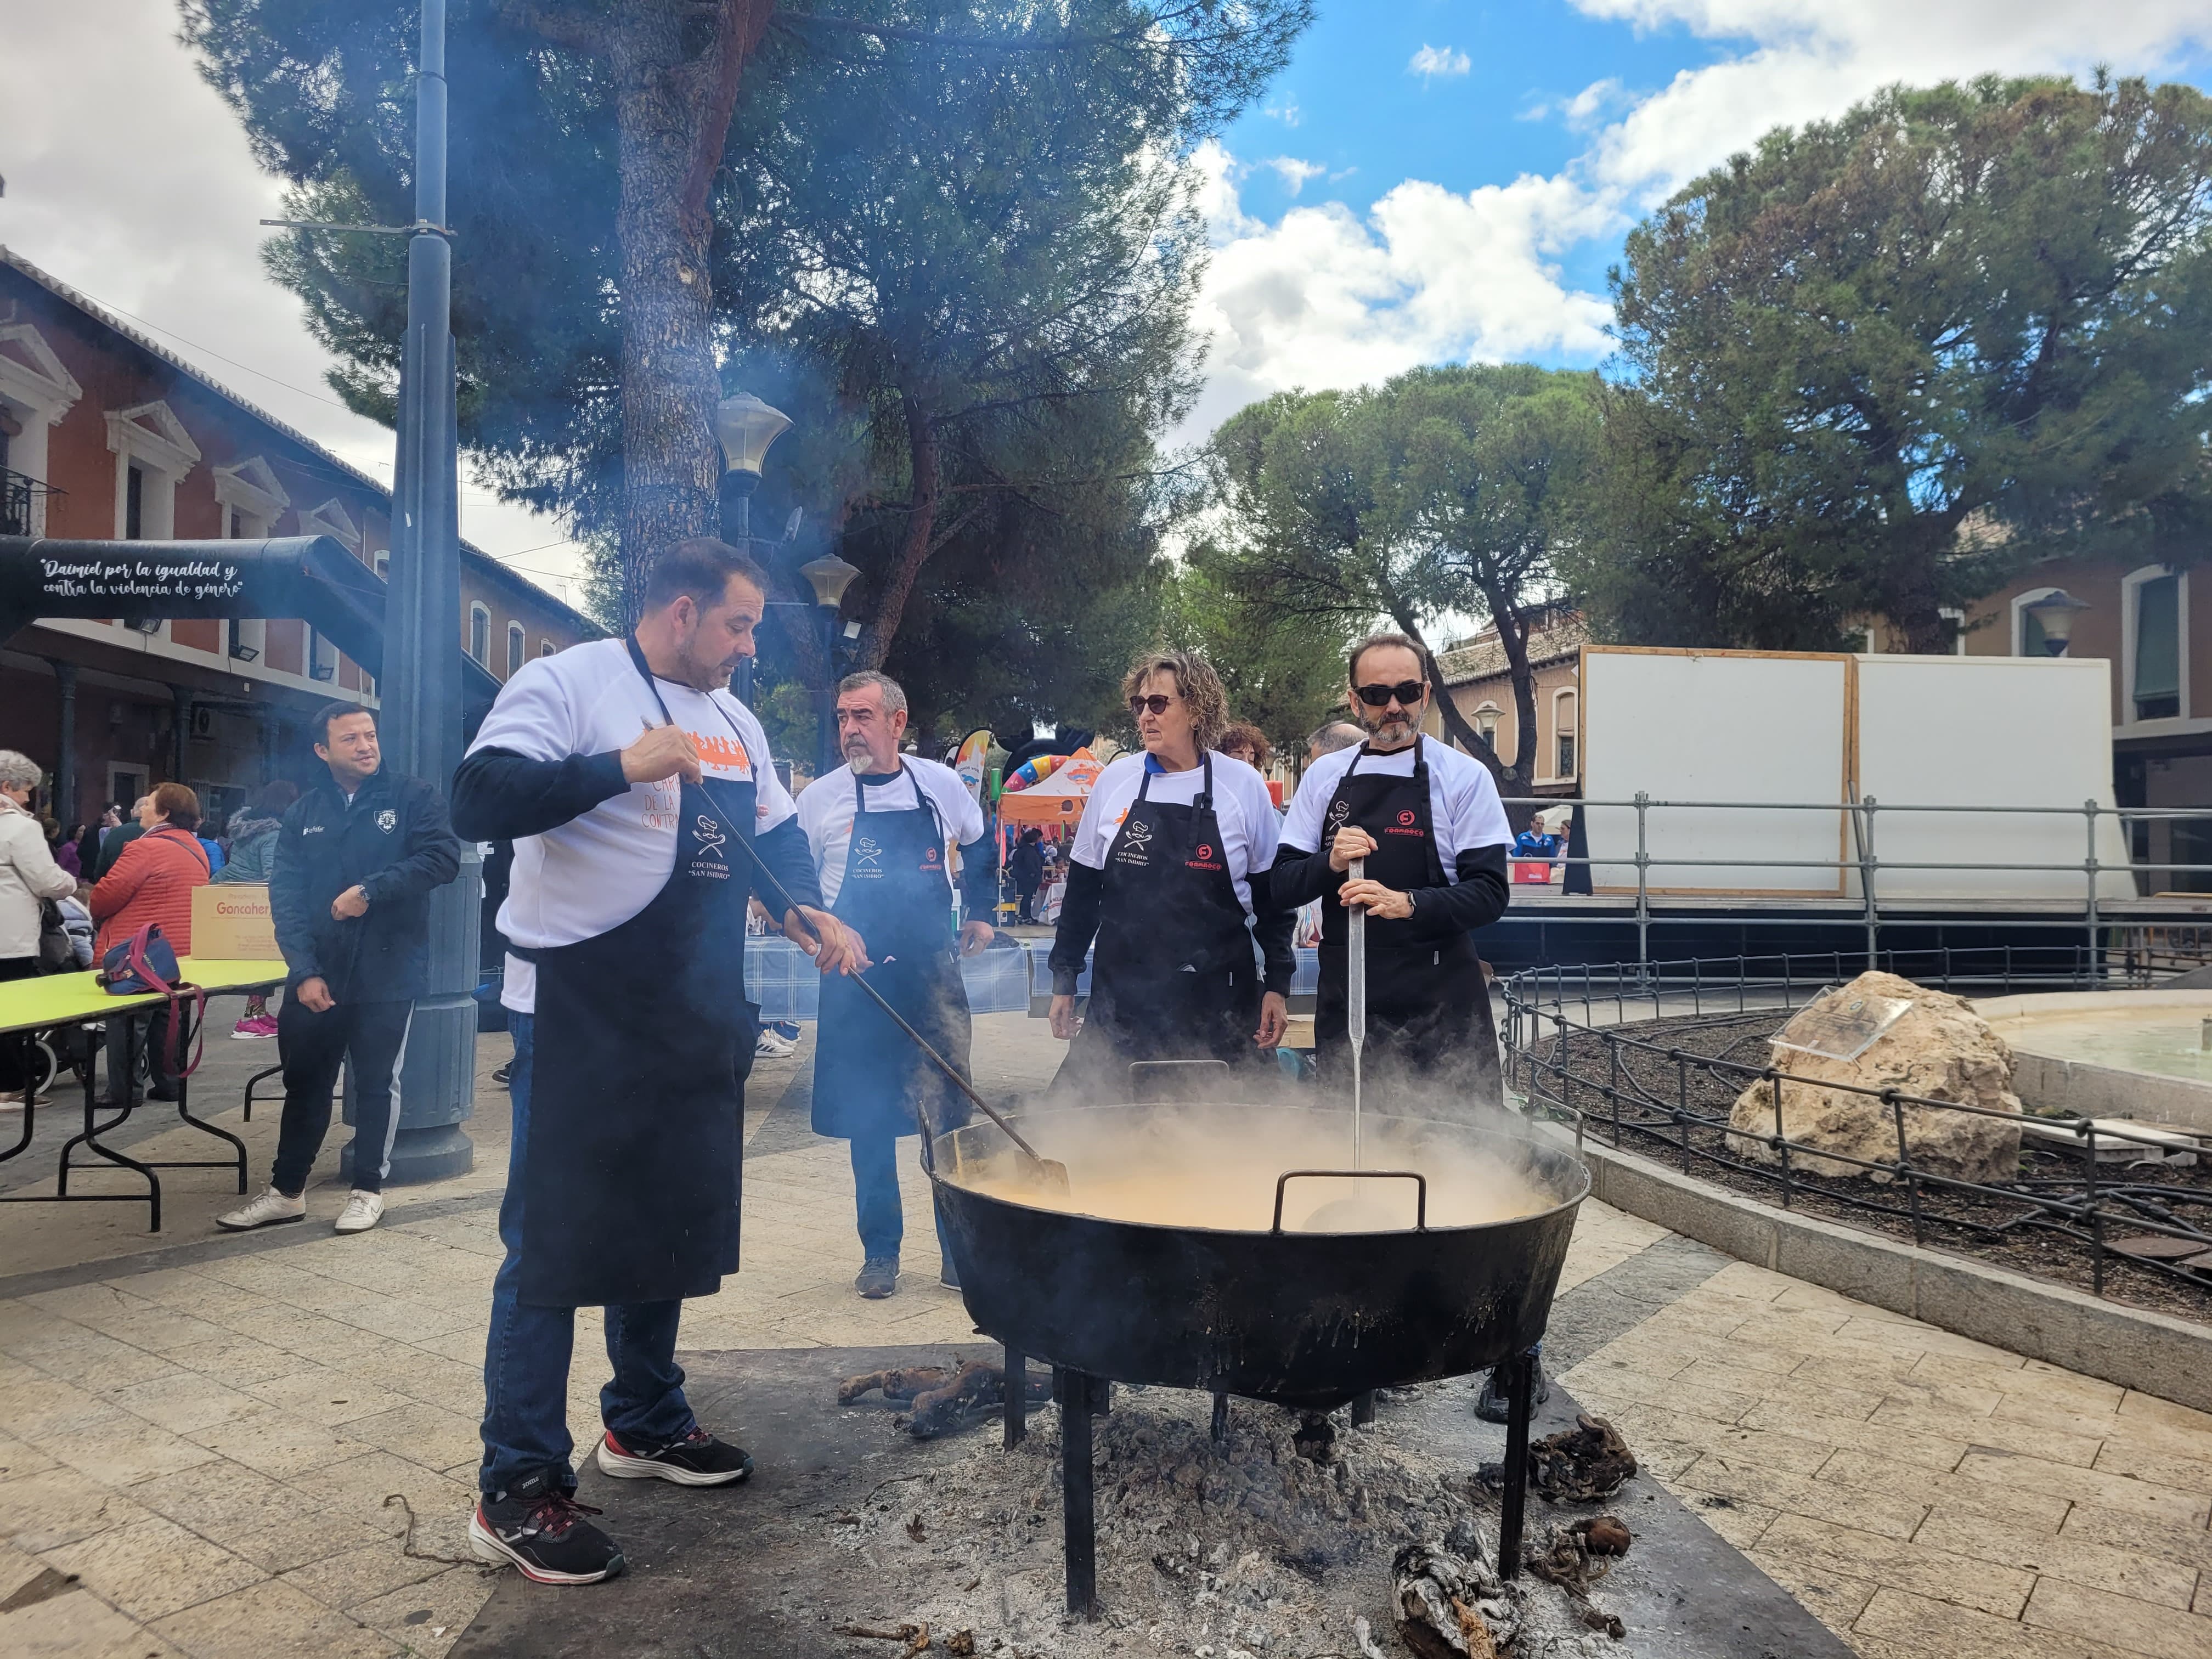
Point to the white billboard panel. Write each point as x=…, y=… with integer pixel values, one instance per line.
x=1988, y=731
x=1719, y=727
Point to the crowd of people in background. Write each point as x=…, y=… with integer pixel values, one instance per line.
x=68, y=895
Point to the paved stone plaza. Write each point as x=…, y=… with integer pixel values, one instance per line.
x=199, y=1434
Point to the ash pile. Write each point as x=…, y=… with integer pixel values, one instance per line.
x=1275, y=1541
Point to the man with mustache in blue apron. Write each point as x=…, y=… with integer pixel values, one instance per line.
x=623, y=770
x=884, y=828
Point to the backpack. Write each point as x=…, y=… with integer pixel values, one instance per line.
x=145, y=962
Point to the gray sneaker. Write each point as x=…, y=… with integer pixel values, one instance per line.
x=879, y=1277
x=266, y=1211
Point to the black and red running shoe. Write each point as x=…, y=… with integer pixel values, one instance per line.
x=697, y=1459
x=540, y=1528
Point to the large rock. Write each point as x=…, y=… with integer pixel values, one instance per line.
x=1939, y=1048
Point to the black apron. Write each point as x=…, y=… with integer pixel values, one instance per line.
x=1174, y=975
x=1428, y=1010
x=896, y=895
x=631, y=1170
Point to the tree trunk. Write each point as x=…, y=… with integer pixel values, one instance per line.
x=673, y=118
x=915, y=546
x=1456, y=725
x=1910, y=602
x=1513, y=634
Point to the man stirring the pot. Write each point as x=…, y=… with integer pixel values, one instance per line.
x=1425, y=823
x=623, y=770
x=1425, y=819
x=883, y=828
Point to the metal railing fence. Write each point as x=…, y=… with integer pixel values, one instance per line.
x=1867, y=866
x=1638, y=1085
x=20, y=497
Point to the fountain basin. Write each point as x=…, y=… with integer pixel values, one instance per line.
x=2137, y=1054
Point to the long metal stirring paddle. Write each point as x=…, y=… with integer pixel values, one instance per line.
x=1355, y=997
x=1050, y=1171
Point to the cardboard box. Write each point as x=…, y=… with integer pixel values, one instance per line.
x=231, y=923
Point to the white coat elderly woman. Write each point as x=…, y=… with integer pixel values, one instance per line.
x=29, y=873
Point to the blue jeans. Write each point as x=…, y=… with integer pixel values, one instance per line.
x=875, y=1197
x=526, y=1353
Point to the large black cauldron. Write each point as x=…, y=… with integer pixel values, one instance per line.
x=1307, y=1320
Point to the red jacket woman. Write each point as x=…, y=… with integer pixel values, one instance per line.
x=152, y=880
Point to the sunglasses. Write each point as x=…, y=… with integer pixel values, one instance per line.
x=1156, y=703
x=1407, y=692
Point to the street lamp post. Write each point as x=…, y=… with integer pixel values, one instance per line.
x=745, y=426
x=421, y=682
x=2054, y=614
x=828, y=576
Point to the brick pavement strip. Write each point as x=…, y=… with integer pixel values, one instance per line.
x=207, y=1437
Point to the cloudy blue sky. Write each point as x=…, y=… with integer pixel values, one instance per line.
x=1435, y=180
x=1429, y=180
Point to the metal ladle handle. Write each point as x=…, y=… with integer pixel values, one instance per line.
x=781, y=895
x=1420, y=1183
x=1355, y=997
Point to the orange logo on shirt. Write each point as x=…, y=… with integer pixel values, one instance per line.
x=723, y=754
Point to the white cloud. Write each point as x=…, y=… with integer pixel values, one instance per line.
x=1806, y=60
x=1293, y=172
x=1430, y=61
x=135, y=186
x=1323, y=297
x=1287, y=113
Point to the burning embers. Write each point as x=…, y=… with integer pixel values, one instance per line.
x=939, y=1402
x=1244, y=1546
x=1586, y=1464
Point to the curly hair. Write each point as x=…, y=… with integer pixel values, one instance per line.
x=1195, y=683
x=1249, y=737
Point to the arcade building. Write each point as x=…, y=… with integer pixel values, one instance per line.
x=105, y=435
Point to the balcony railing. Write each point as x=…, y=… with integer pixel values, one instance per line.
x=21, y=503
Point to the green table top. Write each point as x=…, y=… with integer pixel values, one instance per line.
x=59, y=999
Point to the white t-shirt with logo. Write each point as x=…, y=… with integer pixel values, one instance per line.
x=1463, y=805
x=1241, y=802
x=596, y=871
x=825, y=813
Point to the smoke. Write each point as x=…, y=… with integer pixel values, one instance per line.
x=1209, y=1143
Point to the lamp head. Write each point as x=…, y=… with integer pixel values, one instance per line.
x=746, y=427
x=828, y=576
x=2054, y=613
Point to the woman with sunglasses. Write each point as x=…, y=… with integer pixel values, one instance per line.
x=1162, y=873
x=1426, y=821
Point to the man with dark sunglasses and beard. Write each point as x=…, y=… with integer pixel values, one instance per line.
x=1426, y=821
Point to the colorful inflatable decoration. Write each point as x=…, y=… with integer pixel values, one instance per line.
x=1035, y=770
x=973, y=760
x=1067, y=781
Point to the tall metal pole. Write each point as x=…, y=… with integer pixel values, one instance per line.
x=736, y=504
x=65, y=786
x=421, y=679
x=826, y=702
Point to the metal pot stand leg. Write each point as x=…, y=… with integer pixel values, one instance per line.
x=1081, y=1397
